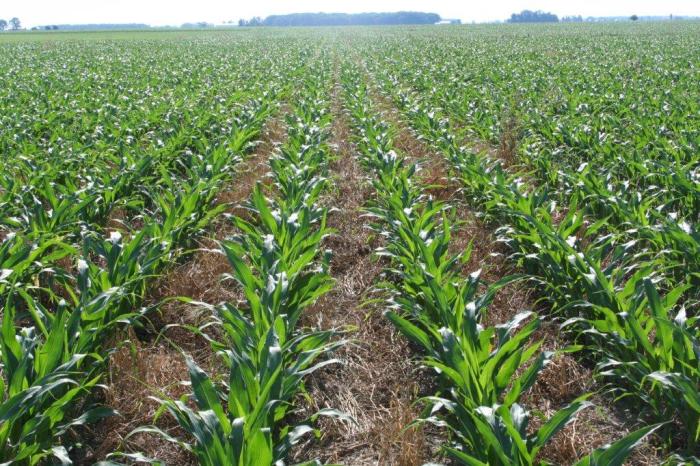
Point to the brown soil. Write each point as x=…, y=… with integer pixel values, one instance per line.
x=377, y=382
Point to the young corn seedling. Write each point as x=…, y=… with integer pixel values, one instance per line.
x=591, y=274
x=484, y=371
x=276, y=262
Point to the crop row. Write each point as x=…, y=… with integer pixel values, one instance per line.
x=634, y=198
x=483, y=371
x=609, y=293
x=244, y=416
x=82, y=239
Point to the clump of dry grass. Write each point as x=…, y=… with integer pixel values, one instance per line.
x=137, y=373
x=403, y=446
x=376, y=382
x=509, y=139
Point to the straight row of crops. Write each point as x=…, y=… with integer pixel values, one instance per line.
x=579, y=146
x=245, y=414
x=482, y=371
x=604, y=227
x=108, y=176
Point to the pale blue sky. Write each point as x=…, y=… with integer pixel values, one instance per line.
x=175, y=12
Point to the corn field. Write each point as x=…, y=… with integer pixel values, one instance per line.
x=402, y=246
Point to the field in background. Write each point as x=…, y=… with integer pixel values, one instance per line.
x=366, y=246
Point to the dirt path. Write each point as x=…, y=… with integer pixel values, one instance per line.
x=376, y=384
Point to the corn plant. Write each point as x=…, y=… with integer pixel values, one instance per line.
x=44, y=380
x=590, y=262
x=277, y=263
x=56, y=322
x=484, y=370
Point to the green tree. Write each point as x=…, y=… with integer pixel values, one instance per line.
x=634, y=17
x=3, y=25
x=15, y=23
x=528, y=16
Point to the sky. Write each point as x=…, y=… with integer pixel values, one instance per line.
x=176, y=12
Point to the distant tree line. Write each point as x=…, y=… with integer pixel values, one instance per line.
x=197, y=25
x=90, y=27
x=572, y=19
x=254, y=21
x=344, y=19
x=528, y=16
x=14, y=24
